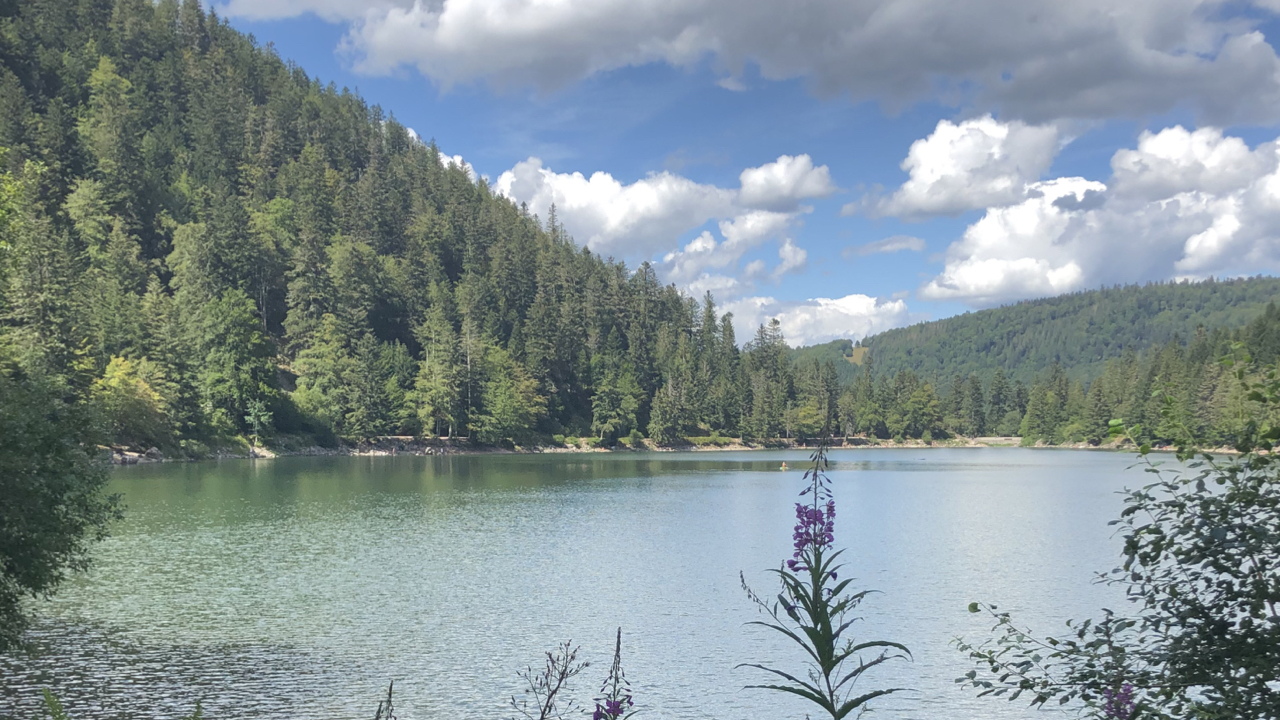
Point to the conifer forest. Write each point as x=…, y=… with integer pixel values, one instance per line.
x=202, y=241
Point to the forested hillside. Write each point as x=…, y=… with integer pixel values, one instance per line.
x=1059, y=370
x=1079, y=332
x=1181, y=385
x=843, y=355
x=201, y=241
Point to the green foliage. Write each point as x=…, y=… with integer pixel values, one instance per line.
x=510, y=404
x=257, y=235
x=667, y=421
x=52, y=505
x=258, y=419
x=237, y=365
x=1201, y=549
x=126, y=398
x=614, y=406
x=1080, y=331
x=710, y=441
x=262, y=237
x=54, y=707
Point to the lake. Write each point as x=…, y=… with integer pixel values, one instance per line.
x=298, y=587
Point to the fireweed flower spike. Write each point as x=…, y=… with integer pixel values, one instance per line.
x=1119, y=704
x=615, y=701
x=814, y=609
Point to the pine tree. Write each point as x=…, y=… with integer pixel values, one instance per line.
x=110, y=131
x=973, y=408
x=323, y=368
x=237, y=362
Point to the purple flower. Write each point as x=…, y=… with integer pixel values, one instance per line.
x=612, y=709
x=815, y=527
x=1119, y=704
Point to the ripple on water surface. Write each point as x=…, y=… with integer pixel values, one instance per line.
x=299, y=587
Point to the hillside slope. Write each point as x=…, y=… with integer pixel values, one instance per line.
x=1080, y=331
x=204, y=242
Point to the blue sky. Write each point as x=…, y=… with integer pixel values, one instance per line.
x=845, y=165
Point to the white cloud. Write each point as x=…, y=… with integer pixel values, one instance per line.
x=637, y=220
x=1180, y=205
x=741, y=235
x=896, y=243
x=732, y=84
x=975, y=164
x=641, y=220
x=1012, y=251
x=819, y=319
x=456, y=161
x=331, y=10
x=1035, y=60
x=794, y=259
x=1176, y=160
x=784, y=183
x=720, y=286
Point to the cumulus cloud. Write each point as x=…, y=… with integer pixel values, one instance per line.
x=635, y=220
x=642, y=219
x=784, y=183
x=819, y=320
x=1032, y=59
x=896, y=243
x=741, y=234
x=1177, y=160
x=975, y=164
x=1182, y=204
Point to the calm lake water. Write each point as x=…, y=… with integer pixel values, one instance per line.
x=298, y=587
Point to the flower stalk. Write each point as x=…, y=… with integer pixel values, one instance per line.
x=814, y=610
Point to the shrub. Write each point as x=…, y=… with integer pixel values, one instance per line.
x=1201, y=549
x=127, y=400
x=52, y=500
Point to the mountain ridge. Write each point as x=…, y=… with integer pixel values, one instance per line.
x=1080, y=330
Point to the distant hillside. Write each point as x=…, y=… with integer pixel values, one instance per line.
x=1080, y=331
x=846, y=357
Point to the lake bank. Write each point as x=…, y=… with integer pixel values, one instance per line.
x=418, y=446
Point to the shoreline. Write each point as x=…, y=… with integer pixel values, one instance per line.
x=422, y=447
